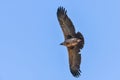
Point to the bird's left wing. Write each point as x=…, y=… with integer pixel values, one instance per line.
x=65, y=23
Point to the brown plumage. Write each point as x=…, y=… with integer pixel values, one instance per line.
x=73, y=41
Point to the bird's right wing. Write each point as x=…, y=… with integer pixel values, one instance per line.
x=74, y=61
x=75, y=56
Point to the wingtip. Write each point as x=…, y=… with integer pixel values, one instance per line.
x=75, y=73
x=75, y=70
x=61, y=11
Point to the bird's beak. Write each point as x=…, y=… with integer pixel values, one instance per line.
x=61, y=43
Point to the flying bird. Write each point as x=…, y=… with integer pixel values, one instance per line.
x=73, y=41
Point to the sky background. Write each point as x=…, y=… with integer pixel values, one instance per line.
x=30, y=36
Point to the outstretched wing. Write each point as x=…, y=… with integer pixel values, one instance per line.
x=74, y=61
x=75, y=56
x=65, y=23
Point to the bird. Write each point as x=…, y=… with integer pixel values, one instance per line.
x=74, y=41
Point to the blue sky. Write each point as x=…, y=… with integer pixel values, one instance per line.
x=30, y=36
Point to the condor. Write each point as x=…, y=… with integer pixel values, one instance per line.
x=73, y=41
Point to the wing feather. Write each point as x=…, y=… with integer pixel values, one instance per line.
x=74, y=61
x=65, y=23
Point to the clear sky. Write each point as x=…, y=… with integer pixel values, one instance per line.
x=30, y=36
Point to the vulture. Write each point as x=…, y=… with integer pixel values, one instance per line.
x=74, y=41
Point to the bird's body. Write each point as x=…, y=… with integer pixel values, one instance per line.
x=73, y=41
